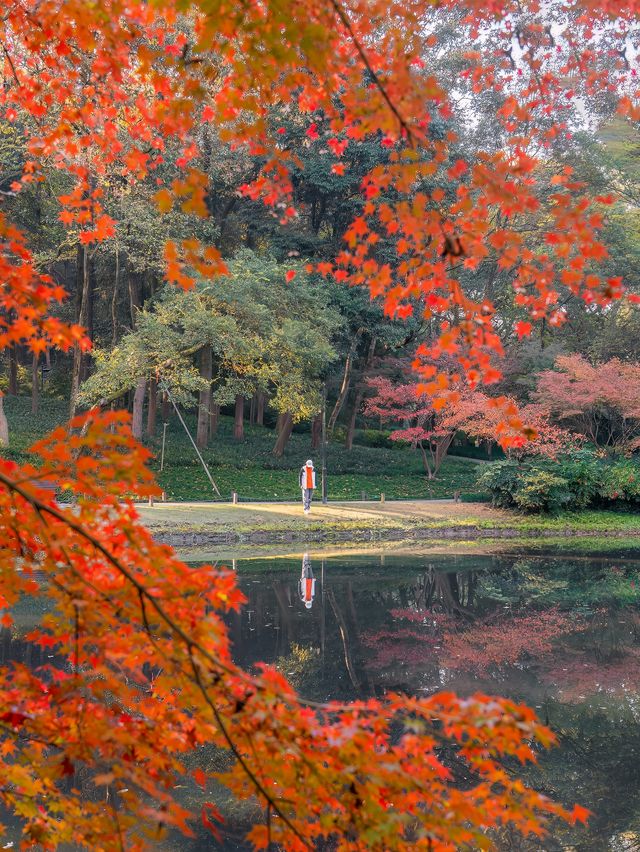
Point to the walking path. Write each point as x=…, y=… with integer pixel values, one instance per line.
x=270, y=515
x=196, y=524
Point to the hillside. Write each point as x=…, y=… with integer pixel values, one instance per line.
x=249, y=467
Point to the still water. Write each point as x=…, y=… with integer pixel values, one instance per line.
x=558, y=631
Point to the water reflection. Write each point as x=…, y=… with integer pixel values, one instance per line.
x=307, y=584
x=558, y=632
x=561, y=634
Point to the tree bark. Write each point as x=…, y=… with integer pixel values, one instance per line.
x=152, y=410
x=238, y=426
x=114, y=300
x=260, y=408
x=316, y=431
x=166, y=408
x=138, y=407
x=13, y=370
x=4, y=426
x=252, y=411
x=283, y=435
x=214, y=419
x=351, y=429
x=35, y=390
x=204, y=402
x=346, y=382
x=82, y=277
x=135, y=297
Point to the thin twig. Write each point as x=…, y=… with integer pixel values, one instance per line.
x=374, y=76
x=245, y=766
x=10, y=61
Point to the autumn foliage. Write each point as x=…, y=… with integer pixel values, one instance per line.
x=141, y=672
x=598, y=401
x=430, y=425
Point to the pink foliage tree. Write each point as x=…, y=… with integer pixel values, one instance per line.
x=424, y=425
x=430, y=426
x=599, y=401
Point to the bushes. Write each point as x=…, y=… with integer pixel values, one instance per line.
x=373, y=438
x=574, y=481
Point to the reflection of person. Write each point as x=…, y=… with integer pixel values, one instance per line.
x=307, y=481
x=307, y=584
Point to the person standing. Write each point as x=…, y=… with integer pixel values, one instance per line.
x=307, y=480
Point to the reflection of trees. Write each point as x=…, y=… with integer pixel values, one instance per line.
x=514, y=624
x=449, y=592
x=346, y=644
x=596, y=763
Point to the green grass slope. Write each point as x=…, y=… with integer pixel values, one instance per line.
x=250, y=468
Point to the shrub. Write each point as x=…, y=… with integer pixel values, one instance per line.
x=574, y=481
x=501, y=481
x=582, y=470
x=373, y=438
x=541, y=490
x=621, y=481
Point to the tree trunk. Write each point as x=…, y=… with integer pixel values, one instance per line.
x=204, y=402
x=316, y=431
x=13, y=370
x=135, y=296
x=152, y=411
x=442, y=448
x=138, y=406
x=238, y=426
x=4, y=426
x=351, y=428
x=166, y=407
x=89, y=295
x=35, y=390
x=114, y=301
x=252, y=411
x=425, y=461
x=82, y=277
x=284, y=434
x=260, y=408
x=346, y=382
x=214, y=419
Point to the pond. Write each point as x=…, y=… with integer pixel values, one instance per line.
x=558, y=631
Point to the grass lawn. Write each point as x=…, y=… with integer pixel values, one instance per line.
x=249, y=467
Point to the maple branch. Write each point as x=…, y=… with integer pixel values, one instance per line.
x=20, y=735
x=10, y=61
x=374, y=76
x=190, y=643
x=271, y=802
